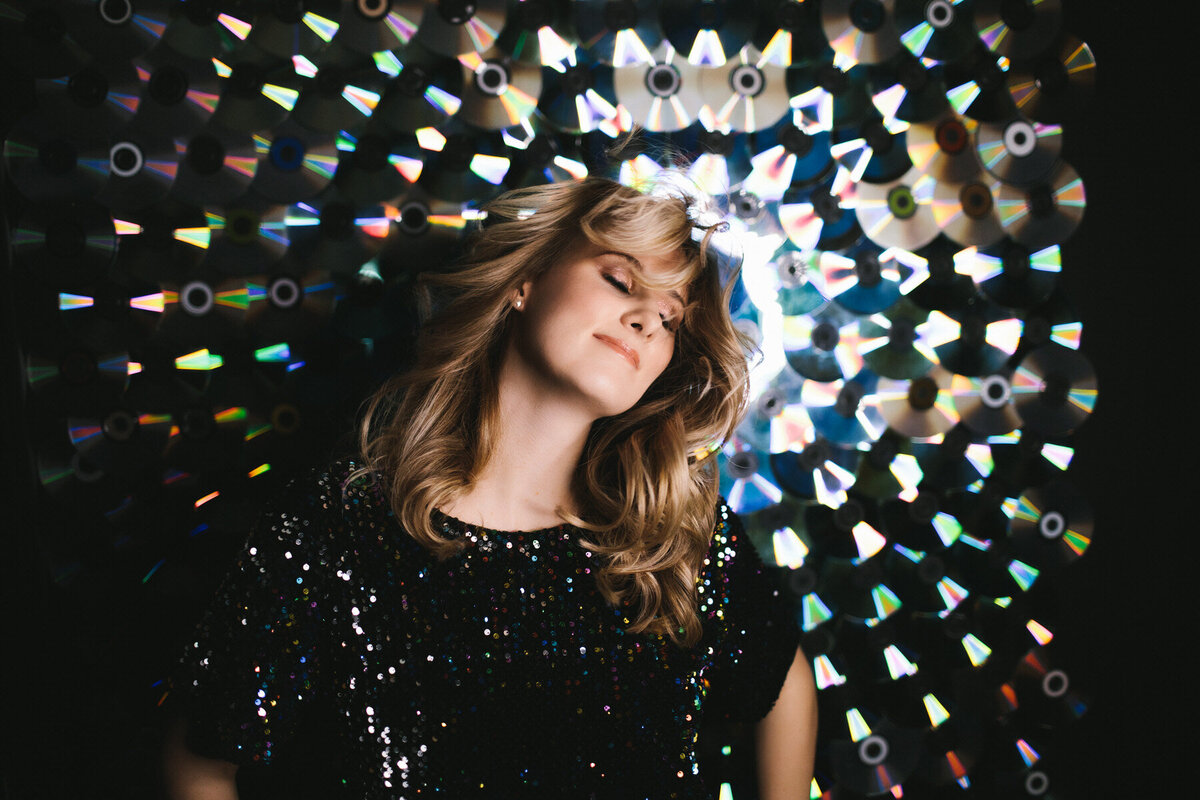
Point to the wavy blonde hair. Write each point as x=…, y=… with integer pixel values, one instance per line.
x=646, y=484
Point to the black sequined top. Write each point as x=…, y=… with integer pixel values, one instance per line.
x=500, y=672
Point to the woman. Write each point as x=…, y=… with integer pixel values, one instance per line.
x=526, y=585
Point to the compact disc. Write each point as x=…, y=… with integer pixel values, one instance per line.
x=454, y=27
x=944, y=147
x=258, y=91
x=61, y=243
x=967, y=212
x=940, y=30
x=818, y=470
x=343, y=93
x=791, y=29
x=985, y=403
x=897, y=213
x=377, y=164
x=823, y=345
x=375, y=26
x=1054, y=320
x=581, y=97
x=837, y=411
x=334, y=233
x=871, y=152
x=821, y=217
x=907, y=91
x=1057, y=86
x=87, y=367
x=618, y=32
x=861, y=31
x=921, y=407
x=987, y=335
x=831, y=96
x=464, y=164
x=1019, y=151
x=1055, y=389
x=292, y=305
x=1052, y=525
x=1010, y=275
x=246, y=236
x=746, y=93
x=533, y=34
x=785, y=156
x=100, y=96
x=796, y=281
x=706, y=32
x=920, y=522
x=178, y=93
x=120, y=440
x=899, y=342
x=202, y=311
x=497, y=90
x=663, y=95
x=862, y=279
x=924, y=582
x=878, y=758
x=1044, y=691
x=117, y=30
x=216, y=165
x=943, y=464
x=294, y=163
x=427, y=90
x=164, y=239
x=538, y=156
x=202, y=29
x=289, y=29
x=426, y=230
x=142, y=167
x=48, y=162
x=1018, y=30
x=746, y=478
x=1046, y=213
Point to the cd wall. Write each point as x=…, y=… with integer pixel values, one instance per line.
x=215, y=211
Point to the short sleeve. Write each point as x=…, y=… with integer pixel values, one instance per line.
x=749, y=624
x=253, y=666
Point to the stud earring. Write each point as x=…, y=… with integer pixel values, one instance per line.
x=518, y=304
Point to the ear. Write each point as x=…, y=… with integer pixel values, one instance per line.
x=521, y=297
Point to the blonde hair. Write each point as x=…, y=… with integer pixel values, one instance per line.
x=646, y=482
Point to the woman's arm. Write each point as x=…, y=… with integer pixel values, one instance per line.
x=787, y=737
x=193, y=777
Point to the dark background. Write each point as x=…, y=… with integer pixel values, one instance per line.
x=1125, y=624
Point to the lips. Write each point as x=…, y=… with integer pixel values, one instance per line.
x=620, y=347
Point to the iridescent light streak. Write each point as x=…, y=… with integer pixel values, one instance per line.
x=199, y=360
x=275, y=352
x=206, y=498
x=826, y=674
x=151, y=302
x=491, y=168
x=857, y=724
x=813, y=612
x=322, y=27
x=948, y=528
x=283, y=96
x=555, y=51
x=936, y=711
x=401, y=26
x=363, y=100
x=1027, y=753
x=1040, y=633
x=952, y=593
x=629, y=49
x=442, y=100
x=72, y=302
x=706, y=49
x=790, y=550
x=977, y=651
x=869, y=542
x=196, y=237
x=898, y=665
x=238, y=27
x=1023, y=574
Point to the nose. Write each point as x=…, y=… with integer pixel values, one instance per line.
x=644, y=318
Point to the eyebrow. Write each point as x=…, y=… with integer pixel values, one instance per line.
x=673, y=293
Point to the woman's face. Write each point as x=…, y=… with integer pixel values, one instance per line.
x=589, y=331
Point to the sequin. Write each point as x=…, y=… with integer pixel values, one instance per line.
x=500, y=672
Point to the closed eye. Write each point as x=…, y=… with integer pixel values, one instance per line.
x=615, y=281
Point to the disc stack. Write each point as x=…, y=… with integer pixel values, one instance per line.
x=220, y=210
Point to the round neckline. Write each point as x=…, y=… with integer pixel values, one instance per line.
x=440, y=517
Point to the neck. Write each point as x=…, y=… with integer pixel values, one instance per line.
x=536, y=449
